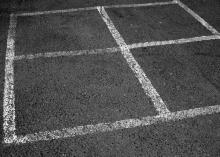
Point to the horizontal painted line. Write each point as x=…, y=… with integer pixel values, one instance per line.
x=122, y=124
x=177, y=41
x=67, y=53
x=116, y=49
x=139, y=5
x=55, y=11
x=91, y=8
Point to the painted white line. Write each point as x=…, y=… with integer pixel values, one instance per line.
x=92, y=8
x=139, y=5
x=122, y=124
x=197, y=17
x=67, y=53
x=177, y=41
x=116, y=49
x=9, y=97
x=135, y=67
x=55, y=11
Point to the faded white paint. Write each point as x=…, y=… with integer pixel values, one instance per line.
x=116, y=49
x=92, y=8
x=135, y=67
x=164, y=116
x=55, y=11
x=9, y=97
x=122, y=124
x=139, y=5
x=177, y=41
x=197, y=17
x=67, y=53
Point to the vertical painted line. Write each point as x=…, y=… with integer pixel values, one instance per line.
x=9, y=97
x=139, y=73
x=197, y=17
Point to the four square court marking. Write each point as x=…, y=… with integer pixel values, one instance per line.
x=165, y=115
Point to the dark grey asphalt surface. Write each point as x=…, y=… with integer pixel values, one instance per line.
x=39, y=5
x=62, y=32
x=70, y=91
x=186, y=76
x=208, y=9
x=155, y=23
x=192, y=137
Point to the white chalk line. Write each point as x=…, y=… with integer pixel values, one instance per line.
x=135, y=67
x=55, y=11
x=197, y=17
x=118, y=125
x=173, y=42
x=9, y=97
x=139, y=5
x=68, y=53
x=116, y=49
x=92, y=8
x=9, y=84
